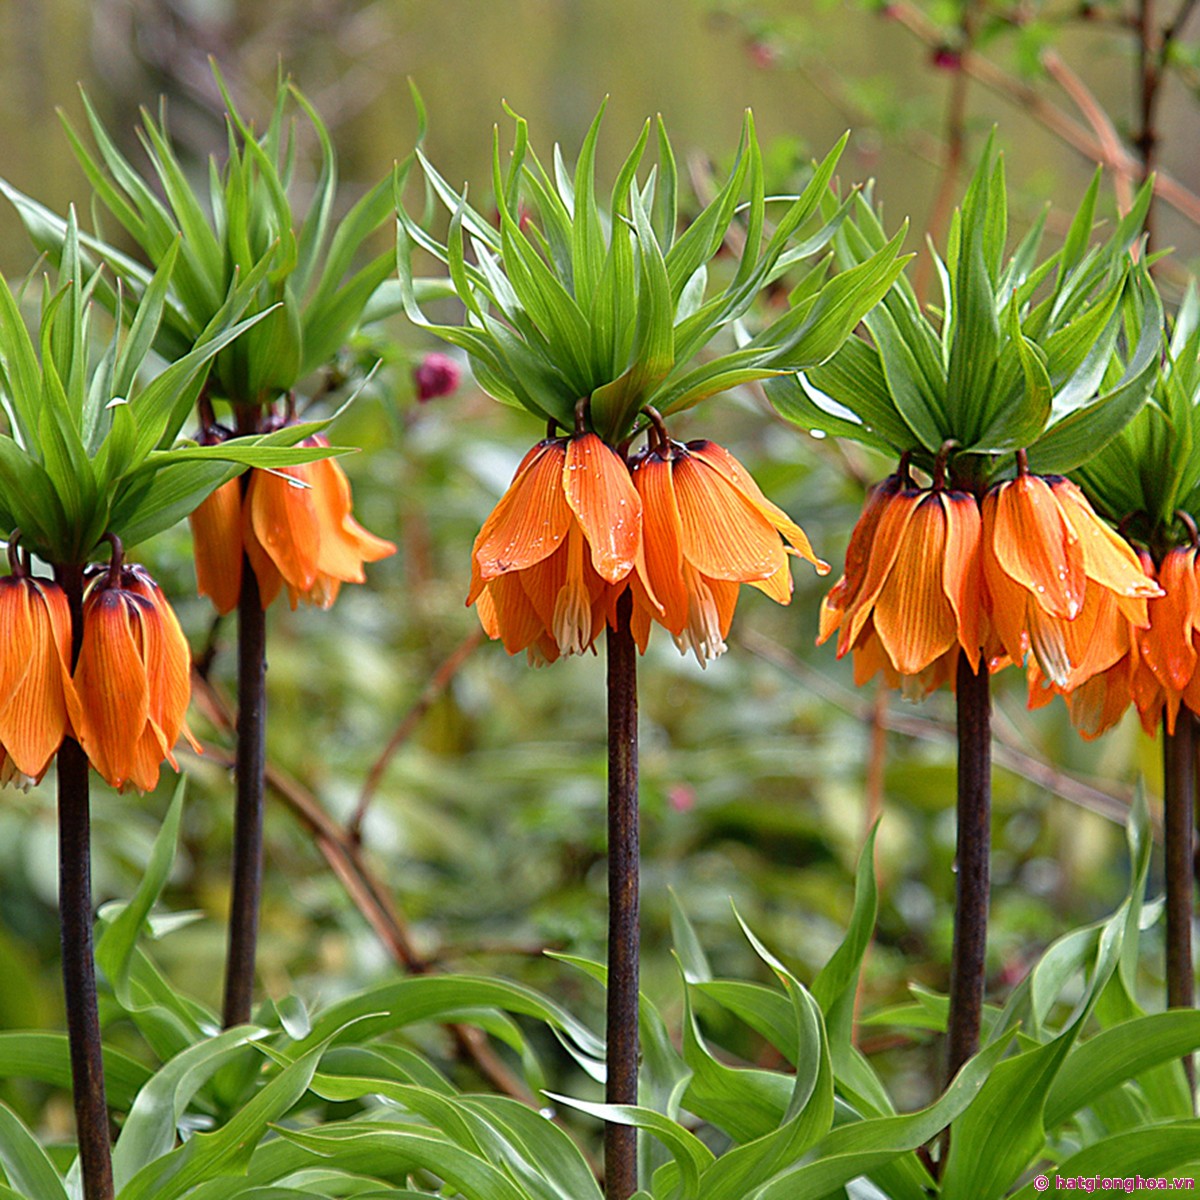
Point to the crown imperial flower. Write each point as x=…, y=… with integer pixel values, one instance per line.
x=36, y=692
x=132, y=680
x=707, y=528
x=910, y=597
x=296, y=528
x=544, y=564
x=1045, y=552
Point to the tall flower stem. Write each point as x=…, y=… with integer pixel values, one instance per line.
x=78, y=961
x=250, y=774
x=1179, y=786
x=968, y=964
x=620, y=1141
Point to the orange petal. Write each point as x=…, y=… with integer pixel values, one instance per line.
x=281, y=514
x=1166, y=646
x=217, y=542
x=913, y=618
x=962, y=578
x=893, y=521
x=343, y=545
x=1107, y=557
x=858, y=552
x=1097, y=638
x=1004, y=597
x=34, y=717
x=722, y=534
x=605, y=502
x=661, y=539
x=516, y=621
x=719, y=459
x=530, y=521
x=1037, y=546
x=110, y=680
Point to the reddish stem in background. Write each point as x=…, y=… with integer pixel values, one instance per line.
x=75, y=917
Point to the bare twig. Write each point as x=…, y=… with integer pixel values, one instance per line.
x=439, y=681
x=1098, y=119
x=365, y=891
x=1035, y=105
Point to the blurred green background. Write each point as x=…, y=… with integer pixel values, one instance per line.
x=761, y=775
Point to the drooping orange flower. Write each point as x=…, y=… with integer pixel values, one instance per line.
x=1051, y=568
x=910, y=599
x=707, y=529
x=217, y=538
x=132, y=680
x=36, y=693
x=546, y=566
x=297, y=530
x=1167, y=648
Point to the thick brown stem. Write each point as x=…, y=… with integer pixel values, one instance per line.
x=1179, y=788
x=620, y=1141
x=250, y=773
x=78, y=961
x=969, y=961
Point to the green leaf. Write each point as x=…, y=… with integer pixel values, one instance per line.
x=114, y=950
x=228, y=1149
x=692, y=1155
x=152, y=1127
x=25, y=1163
x=45, y=1057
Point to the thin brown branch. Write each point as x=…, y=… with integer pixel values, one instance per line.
x=1112, y=805
x=364, y=890
x=439, y=681
x=1046, y=113
x=1095, y=115
x=956, y=146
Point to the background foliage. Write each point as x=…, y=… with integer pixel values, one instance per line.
x=761, y=775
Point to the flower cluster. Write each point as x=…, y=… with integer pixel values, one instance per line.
x=293, y=525
x=1155, y=668
x=679, y=527
x=1031, y=571
x=125, y=700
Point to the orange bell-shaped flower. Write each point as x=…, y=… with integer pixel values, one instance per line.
x=132, y=680
x=545, y=564
x=217, y=540
x=36, y=693
x=1048, y=562
x=707, y=529
x=305, y=536
x=297, y=529
x=910, y=598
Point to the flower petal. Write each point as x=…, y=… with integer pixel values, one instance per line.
x=962, y=577
x=662, y=540
x=1107, y=557
x=217, y=541
x=913, y=618
x=722, y=534
x=606, y=504
x=530, y=521
x=721, y=460
x=1037, y=547
x=282, y=516
x=110, y=680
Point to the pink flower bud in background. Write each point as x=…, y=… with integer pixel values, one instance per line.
x=436, y=375
x=946, y=58
x=681, y=797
